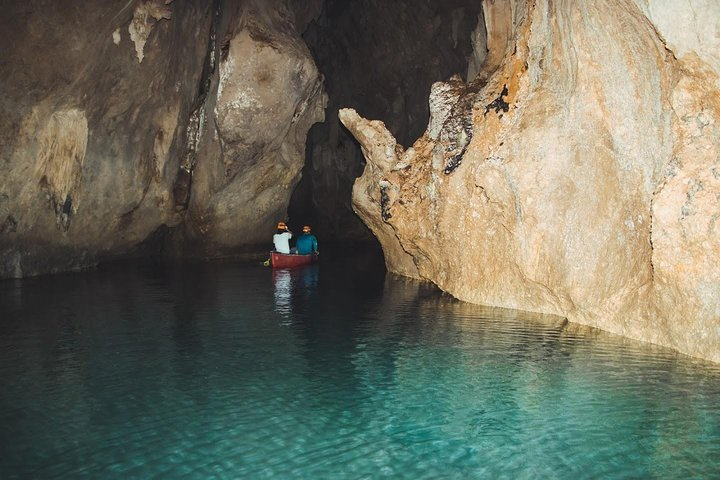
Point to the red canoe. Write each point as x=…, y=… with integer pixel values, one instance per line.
x=282, y=260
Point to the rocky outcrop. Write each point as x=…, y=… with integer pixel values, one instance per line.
x=685, y=231
x=380, y=57
x=576, y=175
x=268, y=94
x=123, y=119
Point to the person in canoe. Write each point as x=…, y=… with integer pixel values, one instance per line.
x=281, y=239
x=307, y=242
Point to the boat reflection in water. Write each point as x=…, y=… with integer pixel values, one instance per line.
x=292, y=289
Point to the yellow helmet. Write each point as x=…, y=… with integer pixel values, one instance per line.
x=281, y=226
x=306, y=229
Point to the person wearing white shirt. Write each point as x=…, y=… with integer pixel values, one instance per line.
x=281, y=239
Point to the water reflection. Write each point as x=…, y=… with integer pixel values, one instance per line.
x=293, y=287
x=282, y=281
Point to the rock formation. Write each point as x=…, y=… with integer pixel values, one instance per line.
x=268, y=94
x=380, y=57
x=576, y=175
x=122, y=119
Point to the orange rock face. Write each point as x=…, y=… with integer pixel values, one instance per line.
x=577, y=175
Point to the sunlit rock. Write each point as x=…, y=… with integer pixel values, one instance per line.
x=577, y=175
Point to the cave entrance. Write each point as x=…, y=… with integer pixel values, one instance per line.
x=381, y=59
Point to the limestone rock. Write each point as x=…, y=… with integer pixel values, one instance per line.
x=380, y=57
x=90, y=140
x=376, y=188
x=576, y=176
x=689, y=28
x=193, y=130
x=269, y=93
x=147, y=14
x=685, y=219
x=62, y=153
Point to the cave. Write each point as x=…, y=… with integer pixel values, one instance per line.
x=548, y=158
x=517, y=212
x=152, y=133
x=558, y=159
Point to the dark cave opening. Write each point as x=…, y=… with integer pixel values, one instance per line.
x=380, y=58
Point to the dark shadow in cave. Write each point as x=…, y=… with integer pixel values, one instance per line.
x=380, y=58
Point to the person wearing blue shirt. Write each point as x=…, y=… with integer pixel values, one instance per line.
x=306, y=243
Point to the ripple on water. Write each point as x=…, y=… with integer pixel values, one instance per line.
x=226, y=371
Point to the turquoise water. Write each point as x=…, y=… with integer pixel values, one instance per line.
x=337, y=371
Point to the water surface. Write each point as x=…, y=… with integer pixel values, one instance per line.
x=338, y=371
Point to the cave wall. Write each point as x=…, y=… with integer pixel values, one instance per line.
x=90, y=133
x=266, y=94
x=577, y=175
x=124, y=121
x=381, y=58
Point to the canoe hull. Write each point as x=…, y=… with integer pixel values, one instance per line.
x=282, y=260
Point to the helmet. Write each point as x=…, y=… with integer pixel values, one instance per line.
x=281, y=226
x=306, y=229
